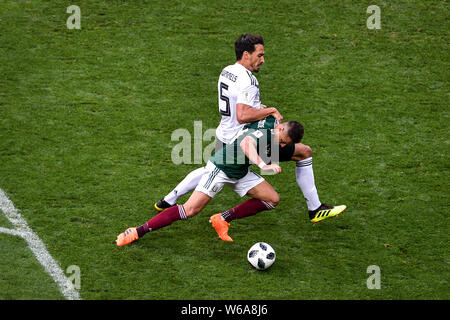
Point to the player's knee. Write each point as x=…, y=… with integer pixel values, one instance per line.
x=191, y=210
x=307, y=152
x=274, y=199
x=302, y=152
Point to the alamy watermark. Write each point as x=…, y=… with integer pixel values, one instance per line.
x=190, y=149
x=374, y=280
x=75, y=276
x=374, y=20
x=74, y=20
x=183, y=153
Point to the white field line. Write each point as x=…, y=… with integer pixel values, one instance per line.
x=36, y=245
x=10, y=231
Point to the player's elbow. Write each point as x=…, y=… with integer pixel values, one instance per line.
x=241, y=114
x=240, y=118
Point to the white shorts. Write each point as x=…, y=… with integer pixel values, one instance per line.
x=214, y=179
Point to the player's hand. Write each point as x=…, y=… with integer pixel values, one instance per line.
x=276, y=169
x=277, y=115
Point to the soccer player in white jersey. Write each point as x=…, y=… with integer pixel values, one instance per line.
x=239, y=97
x=239, y=104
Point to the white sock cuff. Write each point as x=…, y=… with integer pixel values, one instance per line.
x=183, y=215
x=305, y=162
x=268, y=205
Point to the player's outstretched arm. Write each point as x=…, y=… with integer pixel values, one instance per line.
x=247, y=114
x=248, y=146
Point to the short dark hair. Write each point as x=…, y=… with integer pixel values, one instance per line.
x=246, y=42
x=295, y=131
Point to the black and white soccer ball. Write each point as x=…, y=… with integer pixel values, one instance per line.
x=261, y=255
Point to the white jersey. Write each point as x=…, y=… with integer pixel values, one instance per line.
x=236, y=85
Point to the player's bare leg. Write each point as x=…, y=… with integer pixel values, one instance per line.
x=196, y=203
x=265, y=192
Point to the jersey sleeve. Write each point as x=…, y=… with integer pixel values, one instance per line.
x=249, y=95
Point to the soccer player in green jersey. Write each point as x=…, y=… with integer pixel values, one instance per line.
x=240, y=104
x=230, y=166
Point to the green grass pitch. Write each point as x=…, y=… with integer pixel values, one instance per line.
x=86, y=118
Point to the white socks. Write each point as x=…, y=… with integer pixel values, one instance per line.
x=305, y=180
x=187, y=184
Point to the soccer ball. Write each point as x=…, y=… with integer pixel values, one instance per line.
x=261, y=255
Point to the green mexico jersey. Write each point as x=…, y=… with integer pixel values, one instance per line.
x=232, y=160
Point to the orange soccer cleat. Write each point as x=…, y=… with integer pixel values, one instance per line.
x=127, y=237
x=221, y=226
